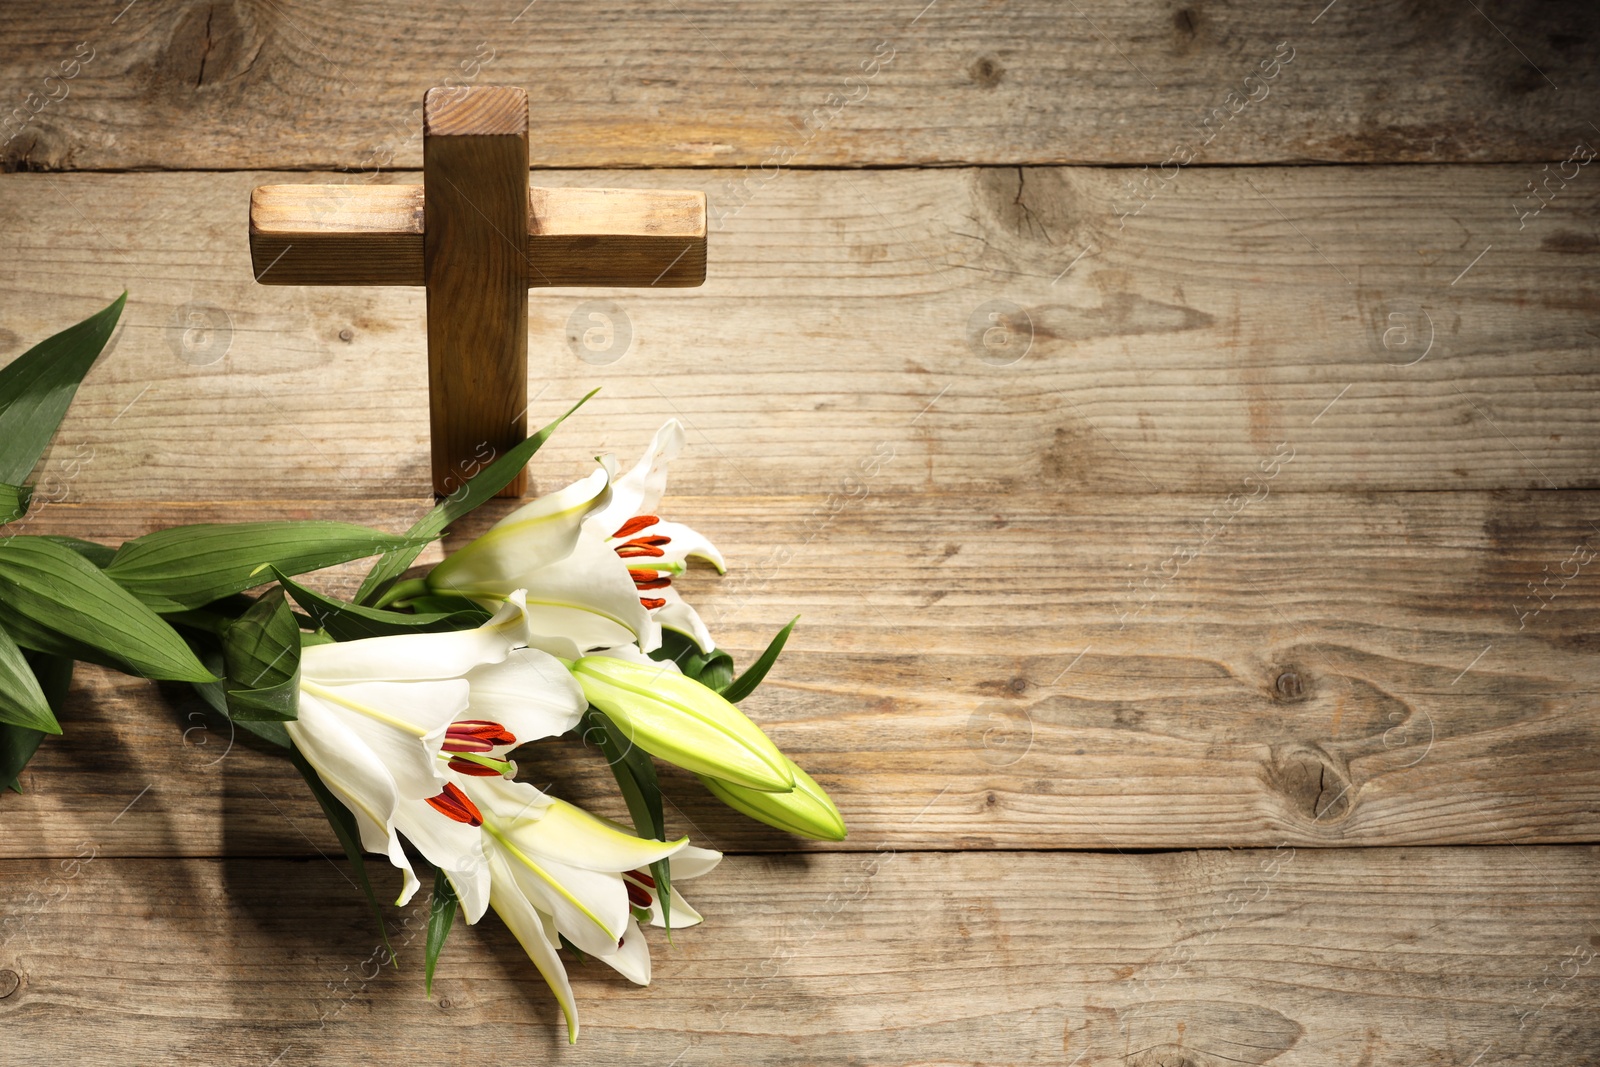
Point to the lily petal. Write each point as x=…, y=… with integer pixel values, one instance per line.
x=692, y=861
x=589, y=599
x=631, y=959
x=401, y=723
x=640, y=490
x=454, y=847
x=688, y=543
x=417, y=657
x=535, y=535
x=537, y=935
x=360, y=781
x=565, y=832
x=683, y=914
x=590, y=907
x=530, y=693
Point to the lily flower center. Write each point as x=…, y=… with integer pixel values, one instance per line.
x=454, y=804
x=468, y=744
x=641, y=894
x=651, y=546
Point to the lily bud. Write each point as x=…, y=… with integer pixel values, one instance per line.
x=807, y=811
x=683, y=722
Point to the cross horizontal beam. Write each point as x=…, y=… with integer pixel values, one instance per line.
x=373, y=235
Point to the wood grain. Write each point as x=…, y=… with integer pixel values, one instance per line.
x=293, y=84
x=982, y=672
x=1178, y=353
x=1382, y=957
x=356, y=234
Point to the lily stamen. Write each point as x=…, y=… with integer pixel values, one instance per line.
x=476, y=735
x=478, y=765
x=635, y=524
x=454, y=804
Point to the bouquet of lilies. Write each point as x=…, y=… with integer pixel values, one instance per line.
x=403, y=706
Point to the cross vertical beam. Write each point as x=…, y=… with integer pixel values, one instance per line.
x=475, y=268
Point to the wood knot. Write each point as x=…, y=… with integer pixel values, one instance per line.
x=986, y=72
x=1315, y=783
x=1186, y=21
x=347, y=335
x=1289, y=686
x=10, y=981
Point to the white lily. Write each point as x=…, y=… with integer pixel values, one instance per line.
x=655, y=550
x=384, y=721
x=558, y=872
x=579, y=595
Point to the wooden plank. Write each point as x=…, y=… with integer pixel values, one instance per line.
x=985, y=672
x=1377, y=957
x=475, y=162
x=1177, y=353
x=358, y=234
x=829, y=83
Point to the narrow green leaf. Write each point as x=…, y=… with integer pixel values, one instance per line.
x=22, y=701
x=344, y=827
x=636, y=779
x=489, y=481
x=37, y=387
x=352, y=622
x=190, y=566
x=60, y=591
x=14, y=501
x=262, y=652
x=441, y=913
x=18, y=743
x=98, y=554
x=444, y=605
x=712, y=669
x=746, y=683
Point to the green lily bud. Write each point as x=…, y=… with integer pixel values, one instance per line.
x=683, y=722
x=808, y=811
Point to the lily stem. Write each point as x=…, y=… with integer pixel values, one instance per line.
x=411, y=587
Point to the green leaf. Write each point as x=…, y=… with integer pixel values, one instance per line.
x=18, y=743
x=262, y=652
x=641, y=791
x=441, y=913
x=98, y=554
x=713, y=669
x=37, y=638
x=746, y=683
x=22, y=701
x=349, y=834
x=52, y=586
x=352, y=622
x=190, y=566
x=37, y=387
x=215, y=694
x=493, y=478
x=14, y=501
x=445, y=605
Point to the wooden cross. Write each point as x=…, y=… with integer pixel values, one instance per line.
x=478, y=239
